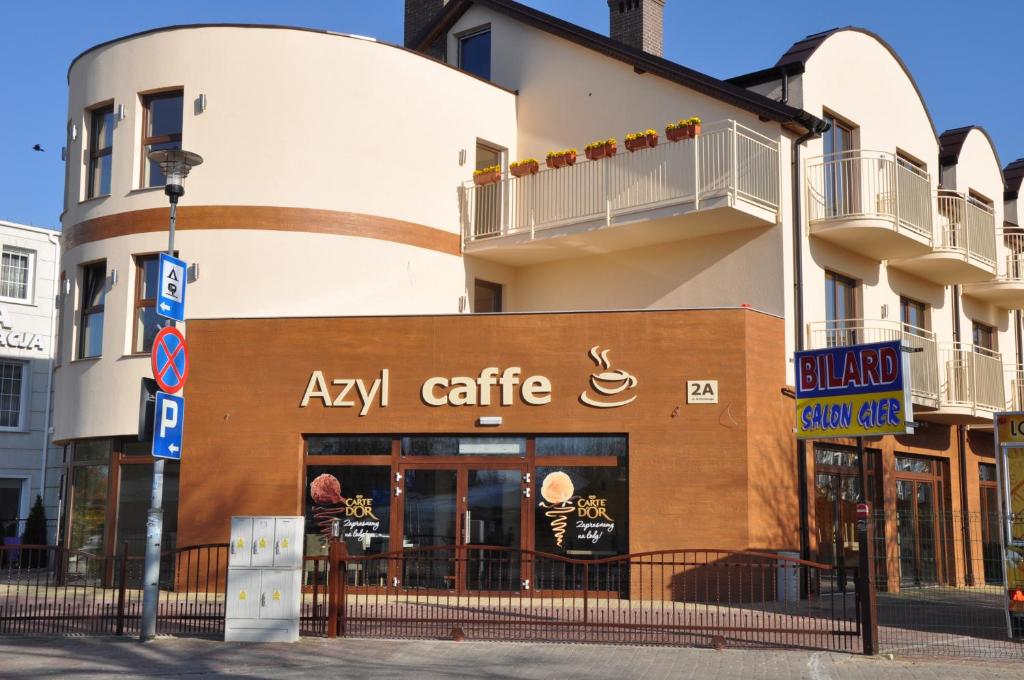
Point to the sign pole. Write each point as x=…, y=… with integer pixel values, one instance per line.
x=155, y=517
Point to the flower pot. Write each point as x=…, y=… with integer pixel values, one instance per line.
x=485, y=178
x=695, y=130
x=524, y=169
x=645, y=142
x=561, y=160
x=602, y=151
x=677, y=134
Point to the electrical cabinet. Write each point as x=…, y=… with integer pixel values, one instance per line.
x=264, y=579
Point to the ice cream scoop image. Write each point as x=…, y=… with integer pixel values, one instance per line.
x=557, y=488
x=326, y=490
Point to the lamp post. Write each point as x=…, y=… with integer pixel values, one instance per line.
x=175, y=164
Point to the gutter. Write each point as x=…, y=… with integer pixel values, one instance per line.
x=816, y=130
x=54, y=239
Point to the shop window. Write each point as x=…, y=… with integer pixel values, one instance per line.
x=135, y=485
x=991, y=551
x=486, y=297
x=582, y=512
x=475, y=53
x=10, y=507
x=463, y=446
x=162, y=126
x=101, y=148
x=599, y=445
x=348, y=446
x=916, y=465
x=89, y=492
x=359, y=497
x=12, y=394
x=94, y=293
x=147, y=321
x=16, y=274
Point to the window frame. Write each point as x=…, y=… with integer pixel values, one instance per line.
x=139, y=302
x=147, y=99
x=993, y=336
x=94, y=153
x=30, y=288
x=84, y=311
x=908, y=303
x=22, y=396
x=462, y=37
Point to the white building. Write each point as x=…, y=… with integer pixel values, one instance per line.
x=27, y=322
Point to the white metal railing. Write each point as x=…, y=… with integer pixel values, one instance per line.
x=924, y=375
x=966, y=227
x=1014, y=374
x=876, y=184
x=972, y=377
x=727, y=159
x=1011, y=264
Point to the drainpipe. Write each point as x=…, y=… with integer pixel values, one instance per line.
x=54, y=240
x=961, y=452
x=798, y=320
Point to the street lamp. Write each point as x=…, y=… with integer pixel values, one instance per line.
x=175, y=164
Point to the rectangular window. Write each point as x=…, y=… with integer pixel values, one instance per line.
x=486, y=297
x=162, y=116
x=10, y=507
x=16, y=274
x=94, y=292
x=840, y=172
x=12, y=394
x=475, y=53
x=984, y=338
x=349, y=445
x=147, y=322
x=101, y=148
x=463, y=446
x=840, y=309
x=912, y=314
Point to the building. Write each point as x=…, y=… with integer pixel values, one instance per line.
x=362, y=308
x=28, y=291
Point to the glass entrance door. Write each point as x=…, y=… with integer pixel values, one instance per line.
x=916, y=519
x=458, y=506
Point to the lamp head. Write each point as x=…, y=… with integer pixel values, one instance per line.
x=175, y=164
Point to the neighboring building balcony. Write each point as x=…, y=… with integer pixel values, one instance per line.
x=972, y=386
x=871, y=203
x=725, y=179
x=964, y=249
x=924, y=375
x=1014, y=387
x=1006, y=290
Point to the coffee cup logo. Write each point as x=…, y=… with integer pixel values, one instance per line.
x=610, y=385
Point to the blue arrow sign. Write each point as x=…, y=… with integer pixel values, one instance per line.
x=168, y=419
x=170, y=297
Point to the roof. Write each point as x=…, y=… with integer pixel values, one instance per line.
x=794, y=61
x=951, y=142
x=793, y=118
x=1013, y=175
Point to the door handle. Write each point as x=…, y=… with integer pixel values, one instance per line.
x=466, y=538
x=263, y=599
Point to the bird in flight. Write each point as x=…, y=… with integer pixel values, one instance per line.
x=38, y=147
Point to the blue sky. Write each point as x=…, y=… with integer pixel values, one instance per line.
x=962, y=54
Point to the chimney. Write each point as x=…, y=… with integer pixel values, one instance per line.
x=638, y=23
x=419, y=14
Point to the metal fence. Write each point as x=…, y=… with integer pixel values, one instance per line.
x=685, y=597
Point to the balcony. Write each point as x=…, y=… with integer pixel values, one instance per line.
x=1014, y=381
x=972, y=384
x=964, y=248
x=924, y=375
x=870, y=203
x=1006, y=290
x=726, y=179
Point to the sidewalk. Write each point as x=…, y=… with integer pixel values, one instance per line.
x=322, y=659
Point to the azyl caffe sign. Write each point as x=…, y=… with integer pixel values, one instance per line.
x=492, y=386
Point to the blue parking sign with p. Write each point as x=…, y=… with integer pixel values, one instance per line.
x=168, y=419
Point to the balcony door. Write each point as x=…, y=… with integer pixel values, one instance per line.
x=840, y=310
x=488, y=206
x=840, y=168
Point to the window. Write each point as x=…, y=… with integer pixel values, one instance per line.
x=12, y=394
x=101, y=148
x=94, y=292
x=486, y=297
x=984, y=338
x=147, y=323
x=912, y=314
x=161, y=129
x=840, y=309
x=475, y=53
x=16, y=274
x=840, y=177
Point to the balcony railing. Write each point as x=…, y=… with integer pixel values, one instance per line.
x=869, y=184
x=1011, y=265
x=972, y=378
x=1015, y=387
x=966, y=227
x=727, y=160
x=924, y=376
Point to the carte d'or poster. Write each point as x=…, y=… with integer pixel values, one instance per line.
x=580, y=517
x=355, y=512
x=859, y=390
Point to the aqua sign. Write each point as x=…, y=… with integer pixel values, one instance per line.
x=855, y=391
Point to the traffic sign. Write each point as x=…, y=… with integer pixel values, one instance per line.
x=170, y=359
x=168, y=418
x=170, y=298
